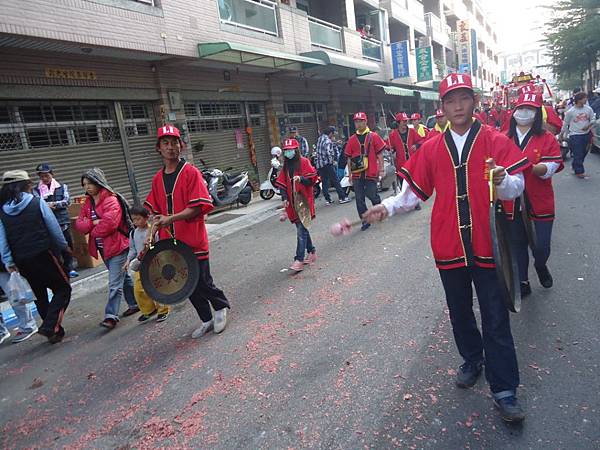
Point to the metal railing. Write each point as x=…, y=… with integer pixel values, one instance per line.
x=371, y=49
x=325, y=34
x=257, y=15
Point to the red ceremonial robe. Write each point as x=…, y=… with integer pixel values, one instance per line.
x=505, y=121
x=189, y=191
x=284, y=181
x=374, y=145
x=553, y=119
x=460, y=228
x=403, y=152
x=539, y=192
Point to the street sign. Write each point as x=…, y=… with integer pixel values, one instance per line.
x=474, y=50
x=424, y=63
x=464, y=47
x=400, y=59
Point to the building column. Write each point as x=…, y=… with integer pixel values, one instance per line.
x=275, y=115
x=350, y=14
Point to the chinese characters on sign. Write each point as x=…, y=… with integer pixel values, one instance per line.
x=464, y=47
x=424, y=63
x=400, y=59
x=70, y=74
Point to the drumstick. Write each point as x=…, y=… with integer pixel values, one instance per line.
x=343, y=227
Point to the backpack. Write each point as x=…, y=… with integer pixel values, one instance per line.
x=126, y=227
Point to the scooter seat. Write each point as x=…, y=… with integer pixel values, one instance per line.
x=232, y=179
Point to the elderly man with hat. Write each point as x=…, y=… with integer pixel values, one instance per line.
x=456, y=165
x=365, y=162
x=294, y=133
x=57, y=196
x=179, y=200
x=30, y=239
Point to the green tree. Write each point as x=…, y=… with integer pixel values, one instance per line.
x=573, y=40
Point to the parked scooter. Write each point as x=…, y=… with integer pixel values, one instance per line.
x=235, y=187
x=267, y=187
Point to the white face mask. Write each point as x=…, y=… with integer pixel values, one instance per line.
x=524, y=116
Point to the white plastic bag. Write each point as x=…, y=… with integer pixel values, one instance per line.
x=19, y=290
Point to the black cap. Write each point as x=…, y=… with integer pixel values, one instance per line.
x=293, y=129
x=43, y=168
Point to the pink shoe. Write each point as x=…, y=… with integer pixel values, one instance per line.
x=311, y=259
x=297, y=266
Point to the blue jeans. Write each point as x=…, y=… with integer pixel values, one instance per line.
x=304, y=242
x=501, y=369
x=25, y=320
x=120, y=285
x=520, y=244
x=578, y=143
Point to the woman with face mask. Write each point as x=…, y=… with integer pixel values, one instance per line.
x=298, y=175
x=543, y=151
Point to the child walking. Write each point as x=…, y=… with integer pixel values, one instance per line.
x=137, y=246
x=300, y=175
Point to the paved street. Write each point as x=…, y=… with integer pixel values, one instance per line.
x=356, y=352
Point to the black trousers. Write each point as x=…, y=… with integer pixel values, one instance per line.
x=207, y=294
x=67, y=256
x=496, y=346
x=365, y=188
x=329, y=178
x=44, y=272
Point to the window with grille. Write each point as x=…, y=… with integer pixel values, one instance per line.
x=38, y=125
x=214, y=116
x=256, y=112
x=305, y=112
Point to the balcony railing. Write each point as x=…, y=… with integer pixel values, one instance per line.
x=325, y=34
x=371, y=49
x=258, y=15
x=433, y=22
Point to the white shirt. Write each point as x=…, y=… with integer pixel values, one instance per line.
x=511, y=187
x=551, y=167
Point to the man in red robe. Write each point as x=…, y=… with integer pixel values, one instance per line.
x=456, y=165
x=365, y=162
x=178, y=201
x=403, y=140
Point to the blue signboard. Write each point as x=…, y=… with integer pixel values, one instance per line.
x=464, y=68
x=474, y=50
x=400, y=59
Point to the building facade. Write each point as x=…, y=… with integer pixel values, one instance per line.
x=86, y=82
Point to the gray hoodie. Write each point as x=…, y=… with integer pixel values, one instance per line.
x=14, y=208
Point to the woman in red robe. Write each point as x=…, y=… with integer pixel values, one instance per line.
x=298, y=175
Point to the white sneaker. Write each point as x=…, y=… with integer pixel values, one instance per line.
x=205, y=328
x=220, y=320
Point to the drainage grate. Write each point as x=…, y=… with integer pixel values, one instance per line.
x=223, y=218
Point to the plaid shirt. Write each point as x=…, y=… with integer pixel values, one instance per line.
x=325, y=153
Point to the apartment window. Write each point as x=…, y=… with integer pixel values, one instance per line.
x=256, y=111
x=40, y=125
x=257, y=15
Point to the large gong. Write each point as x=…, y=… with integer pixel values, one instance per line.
x=302, y=208
x=169, y=271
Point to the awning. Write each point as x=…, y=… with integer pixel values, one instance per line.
x=429, y=95
x=340, y=66
x=235, y=53
x=395, y=90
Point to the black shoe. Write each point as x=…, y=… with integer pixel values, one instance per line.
x=131, y=311
x=57, y=337
x=146, y=317
x=468, y=374
x=525, y=289
x=544, y=276
x=162, y=317
x=45, y=332
x=510, y=410
x=365, y=226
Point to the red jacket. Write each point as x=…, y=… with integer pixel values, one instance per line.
x=460, y=223
x=110, y=216
x=284, y=182
x=374, y=145
x=539, y=192
x=403, y=152
x=189, y=191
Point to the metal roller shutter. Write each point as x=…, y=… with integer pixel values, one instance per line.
x=146, y=162
x=70, y=162
x=306, y=117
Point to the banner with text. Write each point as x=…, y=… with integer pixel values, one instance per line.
x=424, y=63
x=400, y=59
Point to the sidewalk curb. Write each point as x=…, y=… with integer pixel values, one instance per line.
x=98, y=281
